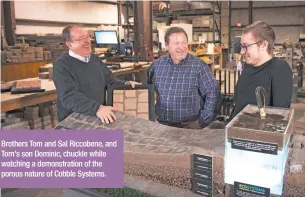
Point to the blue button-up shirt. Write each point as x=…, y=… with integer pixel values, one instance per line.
x=180, y=88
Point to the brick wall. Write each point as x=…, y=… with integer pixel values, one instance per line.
x=133, y=102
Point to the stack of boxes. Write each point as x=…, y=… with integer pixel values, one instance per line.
x=203, y=21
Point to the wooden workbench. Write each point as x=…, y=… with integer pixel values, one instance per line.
x=129, y=70
x=16, y=101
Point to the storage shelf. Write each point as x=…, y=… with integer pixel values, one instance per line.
x=277, y=25
x=195, y=29
x=185, y=13
x=30, y=22
x=215, y=11
x=202, y=29
x=268, y=7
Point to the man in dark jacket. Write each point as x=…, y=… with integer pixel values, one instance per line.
x=262, y=69
x=81, y=79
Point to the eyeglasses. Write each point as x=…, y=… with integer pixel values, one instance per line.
x=83, y=38
x=245, y=47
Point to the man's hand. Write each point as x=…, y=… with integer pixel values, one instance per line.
x=132, y=83
x=105, y=113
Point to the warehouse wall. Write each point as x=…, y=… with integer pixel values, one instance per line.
x=67, y=11
x=268, y=12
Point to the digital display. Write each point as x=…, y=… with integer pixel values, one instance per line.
x=106, y=37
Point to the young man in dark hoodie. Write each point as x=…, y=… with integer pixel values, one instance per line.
x=262, y=69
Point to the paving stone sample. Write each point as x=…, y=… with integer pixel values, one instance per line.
x=158, y=154
x=157, y=148
x=26, y=86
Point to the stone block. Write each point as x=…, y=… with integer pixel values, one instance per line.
x=46, y=118
x=130, y=93
x=136, y=148
x=18, y=125
x=132, y=138
x=142, y=107
x=137, y=122
x=118, y=98
x=12, y=120
x=146, y=140
x=32, y=108
x=143, y=97
x=130, y=104
x=31, y=115
x=113, y=125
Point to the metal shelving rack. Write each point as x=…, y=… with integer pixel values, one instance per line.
x=250, y=8
x=198, y=12
x=128, y=26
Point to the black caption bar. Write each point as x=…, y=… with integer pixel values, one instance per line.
x=254, y=146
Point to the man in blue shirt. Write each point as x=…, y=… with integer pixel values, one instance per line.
x=181, y=81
